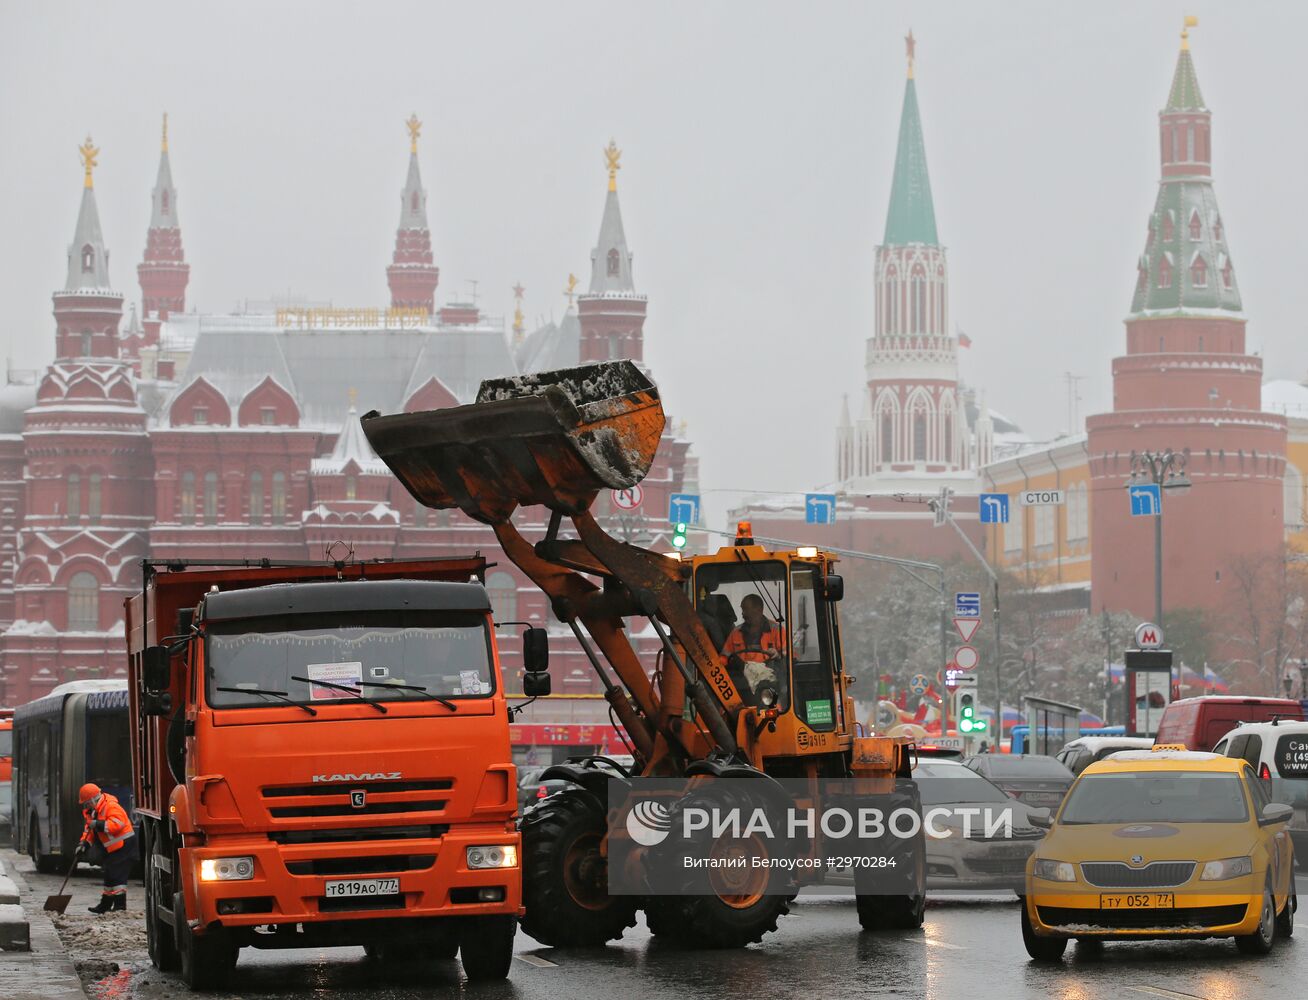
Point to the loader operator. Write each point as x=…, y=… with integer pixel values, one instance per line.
x=109, y=835
x=758, y=645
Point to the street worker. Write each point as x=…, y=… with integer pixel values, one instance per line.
x=757, y=644
x=110, y=840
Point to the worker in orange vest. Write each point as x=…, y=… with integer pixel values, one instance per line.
x=109, y=827
x=758, y=646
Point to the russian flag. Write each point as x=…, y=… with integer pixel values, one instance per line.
x=964, y=340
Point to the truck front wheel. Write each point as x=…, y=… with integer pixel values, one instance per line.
x=486, y=947
x=158, y=935
x=207, y=960
x=565, y=875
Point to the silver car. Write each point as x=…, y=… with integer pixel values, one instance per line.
x=967, y=858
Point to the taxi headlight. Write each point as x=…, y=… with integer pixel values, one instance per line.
x=1054, y=871
x=226, y=869
x=493, y=856
x=1216, y=871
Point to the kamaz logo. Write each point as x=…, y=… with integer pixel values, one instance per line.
x=366, y=776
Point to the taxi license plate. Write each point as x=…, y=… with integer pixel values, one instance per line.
x=1136, y=900
x=361, y=887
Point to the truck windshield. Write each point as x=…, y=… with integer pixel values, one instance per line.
x=743, y=608
x=384, y=655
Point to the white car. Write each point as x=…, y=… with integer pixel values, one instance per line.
x=1080, y=753
x=1278, y=751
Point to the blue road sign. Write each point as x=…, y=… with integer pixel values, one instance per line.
x=819, y=508
x=994, y=508
x=967, y=604
x=683, y=508
x=1146, y=500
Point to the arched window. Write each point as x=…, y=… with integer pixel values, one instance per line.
x=351, y=487
x=86, y=343
x=502, y=590
x=88, y=259
x=73, y=493
x=279, y=498
x=1164, y=272
x=1169, y=228
x=1199, y=272
x=83, y=603
x=1196, y=227
x=211, y=498
x=188, y=497
x=917, y=301
x=615, y=263
x=1226, y=273
x=93, y=497
x=949, y=436
x=919, y=435
x=256, y=497
x=887, y=438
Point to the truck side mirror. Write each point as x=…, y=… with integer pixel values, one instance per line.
x=156, y=669
x=833, y=588
x=536, y=684
x=535, y=650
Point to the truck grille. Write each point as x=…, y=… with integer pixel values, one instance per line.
x=340, y=835
x=379, y=798
x=362, y=866
x=1156, y=875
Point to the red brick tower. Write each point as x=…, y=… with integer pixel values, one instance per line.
x=1186, y=383
x=611, y=313
x=163, y=272
x=412, y=276
x=88, y=506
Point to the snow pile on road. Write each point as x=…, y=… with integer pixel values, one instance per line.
x=113, y=937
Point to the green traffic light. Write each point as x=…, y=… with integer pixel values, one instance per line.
x=679, y=541
x=965, y=725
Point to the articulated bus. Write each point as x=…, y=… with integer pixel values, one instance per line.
x=77, y=733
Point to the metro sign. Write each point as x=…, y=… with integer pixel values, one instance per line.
x=1149, y=636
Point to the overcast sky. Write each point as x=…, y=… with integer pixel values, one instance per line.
x=758, y=143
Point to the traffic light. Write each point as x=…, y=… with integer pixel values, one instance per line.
x=679, y=535
x=967, y=721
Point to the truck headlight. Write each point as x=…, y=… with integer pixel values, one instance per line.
x=1216, y=871
x=493, y=856
x=226, y=869
x=1054, y=871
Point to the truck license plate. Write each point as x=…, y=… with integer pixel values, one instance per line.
x=362, y=887
x=1136, y=900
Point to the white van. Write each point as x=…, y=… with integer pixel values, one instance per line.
x=1278, y=751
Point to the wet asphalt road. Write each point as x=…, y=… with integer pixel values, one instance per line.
x=970, y=947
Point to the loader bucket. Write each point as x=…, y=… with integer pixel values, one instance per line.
x=554, y=438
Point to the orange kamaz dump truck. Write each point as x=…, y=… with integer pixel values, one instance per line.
x=321, y=757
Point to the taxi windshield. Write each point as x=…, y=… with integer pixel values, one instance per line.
x=336, y=658
x=1156, y=797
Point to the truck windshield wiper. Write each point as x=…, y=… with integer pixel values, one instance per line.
x=411, y=687
x=346, y=688
x=275, y=694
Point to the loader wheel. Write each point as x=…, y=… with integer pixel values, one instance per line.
x=565, y=875
x=745, y=903
x=884, y=912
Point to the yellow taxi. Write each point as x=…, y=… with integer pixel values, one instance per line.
x=1162, y=843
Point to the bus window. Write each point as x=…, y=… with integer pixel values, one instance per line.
x=109, y=750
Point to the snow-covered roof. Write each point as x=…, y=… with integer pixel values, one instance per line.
x=1285, y=396
x=351, y=446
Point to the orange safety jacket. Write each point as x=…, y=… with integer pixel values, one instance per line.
x=117, y=825
x=754, y=648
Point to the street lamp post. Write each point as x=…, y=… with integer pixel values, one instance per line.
x=1166, y=470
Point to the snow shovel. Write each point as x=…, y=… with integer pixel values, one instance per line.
x=59, y=903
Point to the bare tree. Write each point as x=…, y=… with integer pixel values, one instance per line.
x=1265, y=625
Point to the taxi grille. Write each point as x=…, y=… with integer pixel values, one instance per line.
x=1170, y=918
x=1156, y=875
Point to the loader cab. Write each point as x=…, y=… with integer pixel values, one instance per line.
x=772, y=618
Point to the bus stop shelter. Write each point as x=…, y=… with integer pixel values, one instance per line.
x=1052, y=725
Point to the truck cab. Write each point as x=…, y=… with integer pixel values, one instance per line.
x=324, y=760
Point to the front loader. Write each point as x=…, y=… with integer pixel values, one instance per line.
x=708, y=712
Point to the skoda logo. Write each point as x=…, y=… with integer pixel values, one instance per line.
x=1137, y=859
x=358, y=798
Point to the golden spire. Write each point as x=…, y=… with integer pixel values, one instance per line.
x=611, y=156
x=165, y=133
x=571, y=290
x=910, y=46
x=89, y=153
x=415, y=129
x=1191, y=21
x=519, y=323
